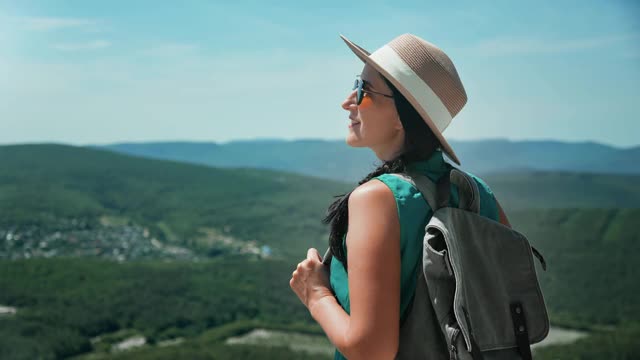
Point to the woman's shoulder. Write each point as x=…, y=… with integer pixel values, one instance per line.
x=399, y=186
x=408, y=195
x=409, y=203
x=389, y=194
x=371, y=193
x=371, y=196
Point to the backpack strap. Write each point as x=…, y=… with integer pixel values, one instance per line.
x=426, y=187
x=467, y=190
x=444, y=190
x=437, y=195
x=328, y=255
x=520, y=330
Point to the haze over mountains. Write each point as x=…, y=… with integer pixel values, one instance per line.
x=334, y=159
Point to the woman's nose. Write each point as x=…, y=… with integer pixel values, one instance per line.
x=349, y=101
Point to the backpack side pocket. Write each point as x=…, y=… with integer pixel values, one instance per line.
x=439, y=276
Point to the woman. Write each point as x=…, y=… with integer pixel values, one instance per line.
x=407, y=94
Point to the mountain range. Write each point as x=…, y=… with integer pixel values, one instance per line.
x=334, y=159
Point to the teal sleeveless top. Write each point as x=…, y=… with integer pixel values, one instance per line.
x=414, y=214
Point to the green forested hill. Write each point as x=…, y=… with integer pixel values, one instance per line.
x=591, y=255
x=40, y=184
x=587, y=232
x=193, y=206
x=179, y=202
x=63, y=303
x=545, y=190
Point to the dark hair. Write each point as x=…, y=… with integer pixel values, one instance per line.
x=419, y=144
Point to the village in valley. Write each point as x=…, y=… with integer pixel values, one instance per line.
x=114, y=240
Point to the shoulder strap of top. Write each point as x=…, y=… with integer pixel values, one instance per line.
x=426, y=187
x=437, y=195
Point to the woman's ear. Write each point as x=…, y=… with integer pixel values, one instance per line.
x=398, y=124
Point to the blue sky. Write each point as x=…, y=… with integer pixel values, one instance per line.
x=89, y=72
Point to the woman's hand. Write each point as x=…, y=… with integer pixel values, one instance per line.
x=310, y=280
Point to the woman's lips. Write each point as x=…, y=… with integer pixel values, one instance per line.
x=353, y=124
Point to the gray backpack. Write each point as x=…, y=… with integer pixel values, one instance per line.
x=477, y=296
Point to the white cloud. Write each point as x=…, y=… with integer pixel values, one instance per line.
x=91, y=45
x=55, y=23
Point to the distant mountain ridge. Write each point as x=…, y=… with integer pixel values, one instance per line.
x=334, y=159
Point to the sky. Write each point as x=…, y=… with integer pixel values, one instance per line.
x=99, y=72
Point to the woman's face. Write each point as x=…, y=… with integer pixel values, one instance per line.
x=375, y=122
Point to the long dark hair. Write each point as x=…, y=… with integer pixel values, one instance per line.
x=419, y=144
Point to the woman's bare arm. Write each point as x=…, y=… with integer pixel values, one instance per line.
x=373, y=242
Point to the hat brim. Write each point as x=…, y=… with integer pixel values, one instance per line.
x=364, y=56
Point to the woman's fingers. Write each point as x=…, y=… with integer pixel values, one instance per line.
x=313, y=254
x=310, y=279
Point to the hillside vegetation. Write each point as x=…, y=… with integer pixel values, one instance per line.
x=77, y=207
x=49, y=189
x=43, y=185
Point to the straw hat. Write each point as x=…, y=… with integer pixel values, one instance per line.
x=425, y=75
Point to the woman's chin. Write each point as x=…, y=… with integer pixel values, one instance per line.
x=353, y=140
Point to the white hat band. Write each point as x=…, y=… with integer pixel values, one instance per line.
x=398, y=68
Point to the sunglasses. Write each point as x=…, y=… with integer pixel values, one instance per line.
x=359, y=86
